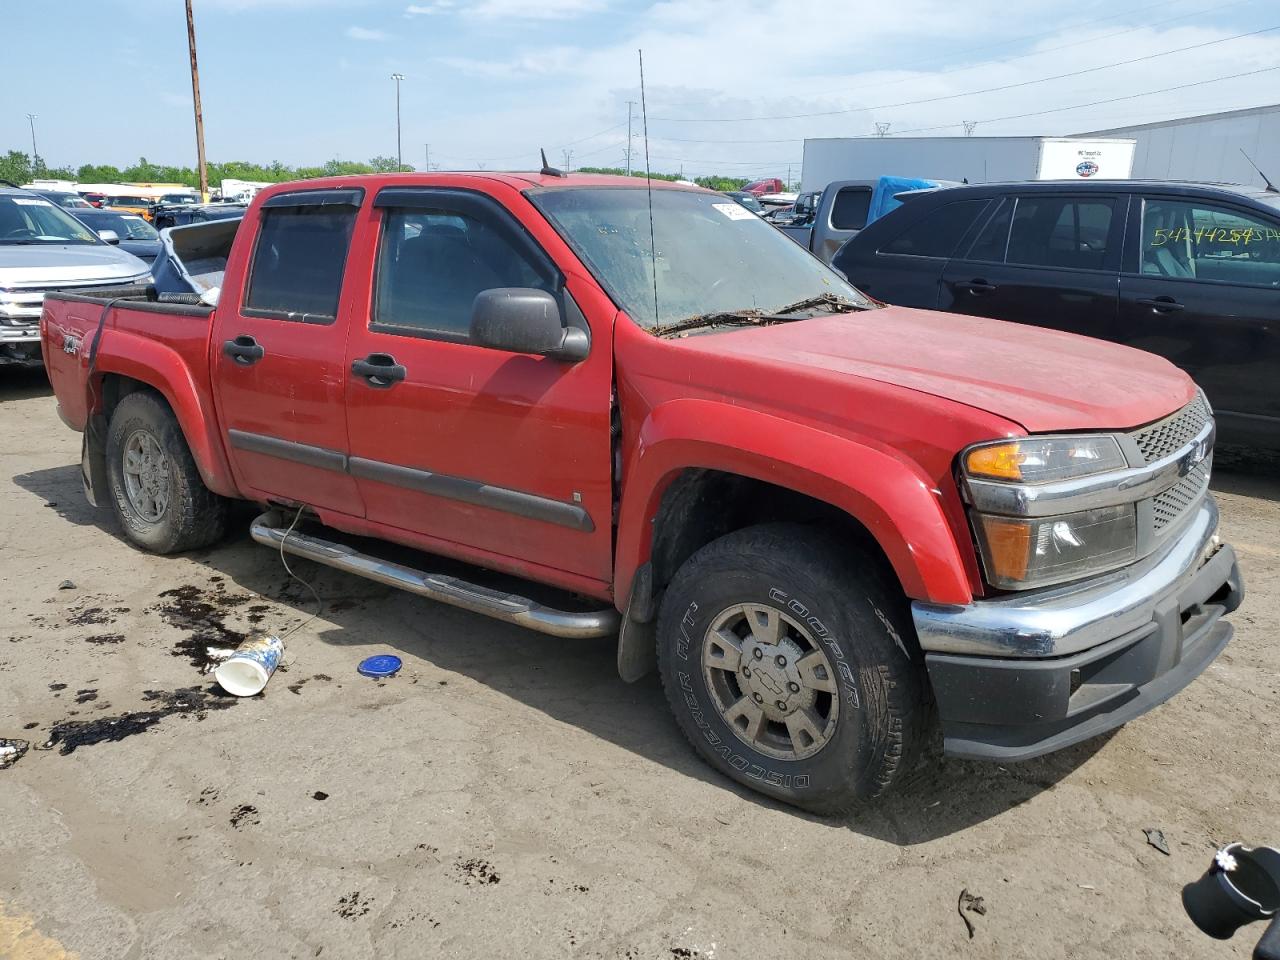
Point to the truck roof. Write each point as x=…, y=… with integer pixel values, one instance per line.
x=515, y=179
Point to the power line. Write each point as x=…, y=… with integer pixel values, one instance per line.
x=967, y=93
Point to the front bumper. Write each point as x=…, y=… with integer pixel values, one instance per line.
x=1024, y=675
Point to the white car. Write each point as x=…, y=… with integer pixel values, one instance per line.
x=43, y=248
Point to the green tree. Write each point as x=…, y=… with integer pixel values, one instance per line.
x=15, y=166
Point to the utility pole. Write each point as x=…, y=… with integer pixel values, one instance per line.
x=397, y=77
x=427, y=148
x=568, y=161
x=35, y=154
x=882, y=129
x=968, y=127
x=195, y=100
x=630, y=104
x=788, y=176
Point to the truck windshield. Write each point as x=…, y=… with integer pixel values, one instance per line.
x=31, y=219
x=710, y=255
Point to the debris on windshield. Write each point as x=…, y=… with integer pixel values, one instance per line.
x=800, y=310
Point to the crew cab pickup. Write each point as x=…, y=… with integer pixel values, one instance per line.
x=825, y=521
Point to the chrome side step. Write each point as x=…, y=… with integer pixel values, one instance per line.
x=269, y=532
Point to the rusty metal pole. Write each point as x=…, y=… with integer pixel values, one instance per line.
x=195, y=97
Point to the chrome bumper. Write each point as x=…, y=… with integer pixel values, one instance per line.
x=21, y=333
x=1069, y=619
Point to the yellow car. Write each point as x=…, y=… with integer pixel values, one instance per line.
x=139, y=205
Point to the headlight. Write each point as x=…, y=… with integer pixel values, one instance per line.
x=1043, y=459
x=1019, y=553
x=1019, y=478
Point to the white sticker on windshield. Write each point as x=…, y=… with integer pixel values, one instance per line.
x=734, y=211
x=130, y=216
x=31, y=202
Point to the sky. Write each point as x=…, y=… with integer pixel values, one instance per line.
x=489, y=82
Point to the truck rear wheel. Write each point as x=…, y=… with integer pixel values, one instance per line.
x=156, y=490
x=792, y=668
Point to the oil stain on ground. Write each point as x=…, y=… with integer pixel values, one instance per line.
x=69, y=735
x=203, y=614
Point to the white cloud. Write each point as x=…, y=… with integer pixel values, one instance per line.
x=363, y=33
x=509, y=9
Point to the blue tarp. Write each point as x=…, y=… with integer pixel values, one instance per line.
x=883, y=196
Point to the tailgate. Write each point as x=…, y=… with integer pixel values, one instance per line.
x=67, y=327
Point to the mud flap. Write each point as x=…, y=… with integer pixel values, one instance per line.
x=93, y=462
x=638, y=638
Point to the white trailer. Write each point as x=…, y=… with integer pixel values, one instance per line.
x=976, y=159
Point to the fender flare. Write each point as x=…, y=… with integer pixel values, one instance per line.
x=163, y=369
x=889, y=495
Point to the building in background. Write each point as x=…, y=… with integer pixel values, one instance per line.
x=975, y=159
x=1207, y=147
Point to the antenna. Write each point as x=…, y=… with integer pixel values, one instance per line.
x=1271, y=187
x=548, y=170
x=648, y=183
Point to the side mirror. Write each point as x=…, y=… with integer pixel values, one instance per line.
x=525, y=320
x=109, y=236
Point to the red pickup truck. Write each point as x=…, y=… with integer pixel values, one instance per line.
x=834, y=526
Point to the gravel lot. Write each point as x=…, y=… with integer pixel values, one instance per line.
x=507, y=796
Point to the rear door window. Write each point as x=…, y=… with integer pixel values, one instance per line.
x=849, y=212
x=299, y=262
x=1203, y=241
x=1060, y=232
x=939, y=232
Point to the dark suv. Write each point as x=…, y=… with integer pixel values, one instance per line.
x=1189, y=271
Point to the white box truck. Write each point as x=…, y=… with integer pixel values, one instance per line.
x=975, y=159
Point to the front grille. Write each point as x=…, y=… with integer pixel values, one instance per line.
x=1173, y=432
x=1174, y=503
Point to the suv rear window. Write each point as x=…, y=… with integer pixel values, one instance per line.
x=299, y=261
x=939, y=233
x=1060, y=232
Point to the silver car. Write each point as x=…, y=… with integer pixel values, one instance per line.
x=44, y=248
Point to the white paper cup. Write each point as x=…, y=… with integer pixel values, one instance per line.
x=245, y=673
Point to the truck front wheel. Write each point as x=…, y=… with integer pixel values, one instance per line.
x=156, y=490
x=792, y=668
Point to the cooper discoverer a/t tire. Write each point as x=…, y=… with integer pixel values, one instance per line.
x=790, y=664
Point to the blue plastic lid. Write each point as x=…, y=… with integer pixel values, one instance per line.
x=383, y=665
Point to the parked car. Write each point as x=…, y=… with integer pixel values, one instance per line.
x=94, y=199
x=42, y=249
x=823, y=220
x=748, y=200
x=128, y=231
x=124, y=204
x=772, y=486
x=1189, y=271
x=71, y=201
x=166, y=215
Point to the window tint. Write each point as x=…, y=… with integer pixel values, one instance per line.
x=939, y=233
x=1060, y=232
x=299, y=261
x=431, y=265
x=994, y=238
x=849, y=212
x=1201, y=241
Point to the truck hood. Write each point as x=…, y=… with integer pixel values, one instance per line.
x=47, y=265
x=1043, y=380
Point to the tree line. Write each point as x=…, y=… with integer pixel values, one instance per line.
x=20, y=168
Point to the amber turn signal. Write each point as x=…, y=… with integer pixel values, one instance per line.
x=1008, y=548
x=1003, y=461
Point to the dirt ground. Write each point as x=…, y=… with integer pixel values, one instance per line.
x=507, y=796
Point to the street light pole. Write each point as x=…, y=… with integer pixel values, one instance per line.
x=35, y=154
x=195, y=99
x=397, y=77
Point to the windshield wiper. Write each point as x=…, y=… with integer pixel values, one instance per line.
x=755, y=318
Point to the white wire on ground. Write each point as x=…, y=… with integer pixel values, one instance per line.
x=289, y=570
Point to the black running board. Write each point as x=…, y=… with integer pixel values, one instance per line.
x=269, y=532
